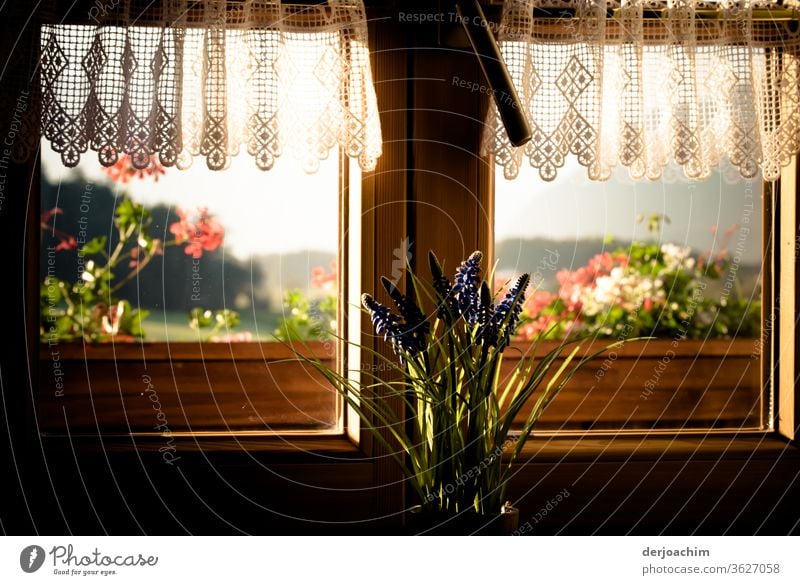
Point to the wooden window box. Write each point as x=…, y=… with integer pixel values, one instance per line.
x=183, y=387
x=657, y=384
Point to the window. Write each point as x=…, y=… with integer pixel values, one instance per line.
x=677, y=260
x=176, y=308
x=174, y=283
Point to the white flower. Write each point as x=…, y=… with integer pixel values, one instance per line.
x=625, y=289
x=676, y=256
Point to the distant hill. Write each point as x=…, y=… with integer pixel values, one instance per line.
x=541, y=254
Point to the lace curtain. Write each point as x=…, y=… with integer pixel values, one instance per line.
x=645, y=93
x=177, y=79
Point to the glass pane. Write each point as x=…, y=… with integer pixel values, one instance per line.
x=238, y=255
x=673, y=259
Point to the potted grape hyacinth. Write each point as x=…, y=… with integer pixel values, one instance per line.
x=455, y=434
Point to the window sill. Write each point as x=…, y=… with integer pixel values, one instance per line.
x=684, y=447
x=183, y=351
x=233, y=448
x=759, y=446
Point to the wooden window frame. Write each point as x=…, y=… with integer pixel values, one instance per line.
x=392, y=216
x=713, y=409
x=201, y=416
x=246, y=388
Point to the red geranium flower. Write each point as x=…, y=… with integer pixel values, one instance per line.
x=203, y=234
x=48, y=215
x=134, y=262
x=321, y=279
x=183, y=229
x=123, y=170
x=241, y=337
x=65, y=241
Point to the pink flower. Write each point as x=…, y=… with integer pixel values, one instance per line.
x=123, y=170
x=321, y=279
x=182, y=230
x=573, y=283
x=531, y=330
x=204, y=234
x=134, y=262
x=534, y=307
x=66, y=242
x=731, y=230
x=48, y=215
x=242, y=337
x=602, y=264
x=538, y=301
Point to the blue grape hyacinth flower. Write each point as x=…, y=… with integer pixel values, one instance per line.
x=447, y=305
x=391, y=327
x=506, y=315
x=467, y=287
x=415, y=322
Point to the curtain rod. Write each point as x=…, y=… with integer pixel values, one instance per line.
x=782, y=14
x=779, y=14
x=758, y=14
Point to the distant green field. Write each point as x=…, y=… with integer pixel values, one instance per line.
x=174, y=326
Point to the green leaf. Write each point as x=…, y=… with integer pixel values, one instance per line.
x=129, y=214
x=133, y=323
x=200, y=318
x=227, y=318
x=95, y=245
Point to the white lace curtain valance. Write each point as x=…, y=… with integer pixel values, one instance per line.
x=177, y=79
x=644, y=93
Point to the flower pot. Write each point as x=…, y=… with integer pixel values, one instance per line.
x=658, y=383
x=469, y=523
x=105, y=389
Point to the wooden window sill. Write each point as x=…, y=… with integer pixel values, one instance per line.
x=686, y=447
x=759, y=446
x=253, y=448
x=184, y=351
